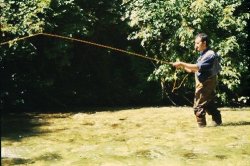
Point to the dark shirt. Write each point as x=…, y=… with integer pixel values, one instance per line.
x=209, y=65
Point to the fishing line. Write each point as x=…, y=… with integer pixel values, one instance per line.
x=98, y=45
x=89, y=43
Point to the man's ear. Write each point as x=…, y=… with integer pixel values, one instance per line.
x=205, y=42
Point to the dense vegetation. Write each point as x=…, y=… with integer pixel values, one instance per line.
x=42, y=72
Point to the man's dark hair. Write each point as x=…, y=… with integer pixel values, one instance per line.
x=204, y=37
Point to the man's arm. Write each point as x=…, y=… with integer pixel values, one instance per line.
x=189, y=67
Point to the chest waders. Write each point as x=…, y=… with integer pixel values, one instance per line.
x=204, y=101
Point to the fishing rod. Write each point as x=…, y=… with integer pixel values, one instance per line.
x=98, y=45
x=89, y=43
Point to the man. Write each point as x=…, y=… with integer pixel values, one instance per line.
x=206, y=70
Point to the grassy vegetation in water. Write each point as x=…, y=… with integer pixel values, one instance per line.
x=134, y=137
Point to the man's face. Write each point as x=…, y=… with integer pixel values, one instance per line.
x=199, y=45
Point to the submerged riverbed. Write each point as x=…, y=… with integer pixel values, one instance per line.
x=134, y=137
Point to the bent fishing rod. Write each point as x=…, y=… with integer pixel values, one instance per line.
x=89, y=43
x=97, y=45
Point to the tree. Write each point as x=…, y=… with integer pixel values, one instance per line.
x=18, y=18
x=167, y=29
x=48, y=72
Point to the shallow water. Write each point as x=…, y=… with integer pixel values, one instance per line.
x=143, y=136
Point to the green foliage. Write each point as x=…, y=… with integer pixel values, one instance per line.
x=44, y=71
x=48, y=72
x=22, y=17
x=167, y=30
